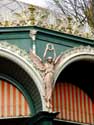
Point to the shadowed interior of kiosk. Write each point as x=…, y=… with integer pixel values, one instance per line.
x=80, y=73
x=74, y=91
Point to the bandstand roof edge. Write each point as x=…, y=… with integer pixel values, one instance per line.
x=51, y=33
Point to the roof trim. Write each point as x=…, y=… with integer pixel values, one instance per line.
x=47, y=32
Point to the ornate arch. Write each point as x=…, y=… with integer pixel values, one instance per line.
x=18, y=59
x=72, y=55
x=76, y=54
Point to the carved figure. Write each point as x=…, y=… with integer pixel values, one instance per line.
x=47, y=68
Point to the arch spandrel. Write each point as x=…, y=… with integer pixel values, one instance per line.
x=71, y=55
x=13, y=55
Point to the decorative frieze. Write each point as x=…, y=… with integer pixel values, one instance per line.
x=15, y=49
x=77, y=50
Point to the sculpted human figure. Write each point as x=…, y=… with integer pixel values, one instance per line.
x=49, y=74
x=46, y=67
x=48, y=80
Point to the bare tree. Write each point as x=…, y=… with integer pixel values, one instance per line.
x=80, y=10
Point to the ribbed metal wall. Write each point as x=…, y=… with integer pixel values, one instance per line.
x=72, y=103
x=12, y=102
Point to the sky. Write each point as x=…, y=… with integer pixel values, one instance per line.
x=41, y=3
x=6, y=13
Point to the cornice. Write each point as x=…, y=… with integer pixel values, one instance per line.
x=49, y=32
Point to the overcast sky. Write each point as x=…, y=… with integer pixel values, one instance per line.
x=41, y=3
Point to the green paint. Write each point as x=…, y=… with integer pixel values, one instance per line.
x=20, y=37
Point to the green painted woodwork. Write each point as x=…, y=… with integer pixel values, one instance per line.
x=23, y=72
x=42, y=118
x=20, y=37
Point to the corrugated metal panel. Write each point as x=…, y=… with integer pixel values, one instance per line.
x=72, y=103
x=12, y=102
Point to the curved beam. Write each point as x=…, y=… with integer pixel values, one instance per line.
x=77, y=53
x=21, y=58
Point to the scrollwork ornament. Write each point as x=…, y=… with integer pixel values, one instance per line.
x=15, y=49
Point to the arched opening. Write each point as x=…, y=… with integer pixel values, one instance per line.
x=13, y=72
x=73, y=95
x=80, y=73
x=15, y=67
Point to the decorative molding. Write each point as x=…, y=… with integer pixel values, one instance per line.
x=46, y=69
x=15, y=49
x=18, y=52
x=77, y=50
x=22, y=58
x=33, y=36
x=73, y=54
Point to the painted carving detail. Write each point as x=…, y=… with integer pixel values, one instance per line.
x=75, y=51
x=14, y=49
x=46, y=67
x=49, y=66
x=33, y=36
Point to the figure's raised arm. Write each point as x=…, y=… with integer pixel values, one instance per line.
x=58, y=60
x=49, y=47
x=36, y=60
